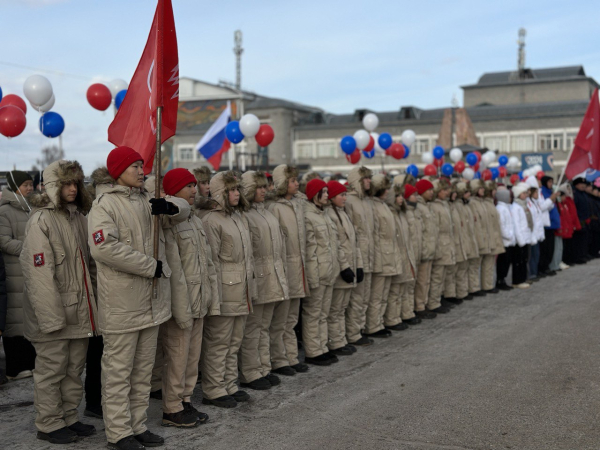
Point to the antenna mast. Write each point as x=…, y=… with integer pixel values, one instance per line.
x=521, y=54
x=238, y=50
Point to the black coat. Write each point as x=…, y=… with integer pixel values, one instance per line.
x=3, y=298
x=582, y=204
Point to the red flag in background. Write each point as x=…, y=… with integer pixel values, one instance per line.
x=155, y=83
x=586, y=154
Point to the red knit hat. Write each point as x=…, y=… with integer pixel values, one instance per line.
x=177, y=179
x=119, y=159
x=335, y=188
x=423, y=185
x=409, y=190
x=314, y=186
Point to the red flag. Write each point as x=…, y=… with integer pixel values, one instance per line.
x=586, y=153
x=155, y=83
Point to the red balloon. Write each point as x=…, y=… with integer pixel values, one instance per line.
x=540, y=174
x=12, y=121
x=514, y=178
x=14, y=100
x=99, y=96
x=459, y=167
x=486, y=175
x=370, y=146
x=475, y=167
x=396, y=151
x=430, y=170
x=478, y=154
x=438, y=162
x=354, y=157
x=265, y=135
x=503, y=171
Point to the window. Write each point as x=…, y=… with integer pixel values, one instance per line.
x=570, y=142
x=304, y=150
x=522, y=143
x=421, y=146
x=550, y=141
x=495, y=143
x=327, y=149
x=186, y=153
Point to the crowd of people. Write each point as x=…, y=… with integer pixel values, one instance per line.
x=250, y=266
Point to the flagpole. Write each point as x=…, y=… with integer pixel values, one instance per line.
x=562, y=174
x=157, y=174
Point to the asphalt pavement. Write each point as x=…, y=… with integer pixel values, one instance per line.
x=515, y=370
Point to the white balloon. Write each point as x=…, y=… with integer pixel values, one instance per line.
x=362, y=139
x=249, y=125
x=427, y=157
x=37, y=89
x=46, y=106
x=377, y=148
x=490, y=157
x=456, y=155
x=513, y=161
x=370, y=122
x=468, y=173
x=116, y=86
x=536, y=169
x=408, y=137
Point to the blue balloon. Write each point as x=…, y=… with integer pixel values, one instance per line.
x=521, y=175
x=0, y=94
x=471, y=159
x=438, y=152
x=52, y=124
x=385, y=140
x=447, y=169
x=348, y=145
x=233, y=132
x=407, y=152
x=412, y=170
x=477, y=175
x=370, y=154
x=503, y=160
x=495, y=173
x=120, y=97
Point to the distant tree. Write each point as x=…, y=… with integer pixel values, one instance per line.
x=49, y=155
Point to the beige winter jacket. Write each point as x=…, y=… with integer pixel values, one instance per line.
x=444, y=251
x=404, y=255
x=459, y=227
x=350, y=250
x=430, y=229
x=194, y=289
x=323, y=253
x=59, y=301
x=359, y=208
x=469, y=237
x=495, y=237
x=387, y=260
x=229, y=238
x=121, y=240
x=415, y=230
x=14, y=215
x=481, y=224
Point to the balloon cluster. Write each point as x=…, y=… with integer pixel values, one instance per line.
x=369, y=142
x=249, y=126
x=100, y=96
x=38, y=91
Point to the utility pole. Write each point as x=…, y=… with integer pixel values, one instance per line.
x=238, y=50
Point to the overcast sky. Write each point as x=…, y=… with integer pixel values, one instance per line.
x=337, y=55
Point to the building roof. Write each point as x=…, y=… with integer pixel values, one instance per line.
x=553, y=74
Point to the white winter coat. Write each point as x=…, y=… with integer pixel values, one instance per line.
x=523, y=234
x=506, y=224
x=538, y=221
x=545, y=204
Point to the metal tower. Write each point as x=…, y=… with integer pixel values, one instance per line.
x=521, y=54
x=238, y=50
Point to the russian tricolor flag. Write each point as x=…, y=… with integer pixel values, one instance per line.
x=214, y=143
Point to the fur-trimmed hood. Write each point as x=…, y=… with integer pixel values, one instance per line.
x=57, y=175
x=220, y=185
x=403, y=179
x=281, y=176
x=475, y=185
x=461, y=187
x=355, y=178
x=310, y=175
x=380, y=182
x=490, y=186
x=439, y=185
x=251, y=181
x=202, y=174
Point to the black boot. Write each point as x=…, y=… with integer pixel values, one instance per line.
x=181, y=419
x=425, y=314
x=454, y=300
x=94, y=411
x=273, y=379
x=300, y=368
x=202, y=417
x=288, y=371
x=379, y=334
x=261, y=384
x=127, y=443
x=440, y=310
x=398, y=327
x=414, y=321
x=332, y=357
x=156, y=395
x=241, y=396
x=493, y=291
x=362, y=342
x=148, y=439
x=351, y=347
x=226, y=401
x=479, y=294
x=321, y=360
x=61, y=436
x=341, y=351
x=82, y=429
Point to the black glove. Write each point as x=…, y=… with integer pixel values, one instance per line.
x=158, y=271
x=360, y=275
x=347, y=275
x=161, y=206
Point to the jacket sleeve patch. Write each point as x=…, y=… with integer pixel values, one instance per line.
x=98, y=237
x=38, y=260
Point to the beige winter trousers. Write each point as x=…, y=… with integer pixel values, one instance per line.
x=255, y=358
x=219, y=362
x=159, y=362
x=488, y=264
x=474, y=275
x=278, y=351
x=407, y=293
x=127, y=364
x=57, y=386
x=462, y=279
x=289, y=335
x=392, y=311
x=422, y=285
x=355, y=312
x=181, y=356
x=437, y=286
x=336, y=320
x=315, y=310
x=380, y=288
